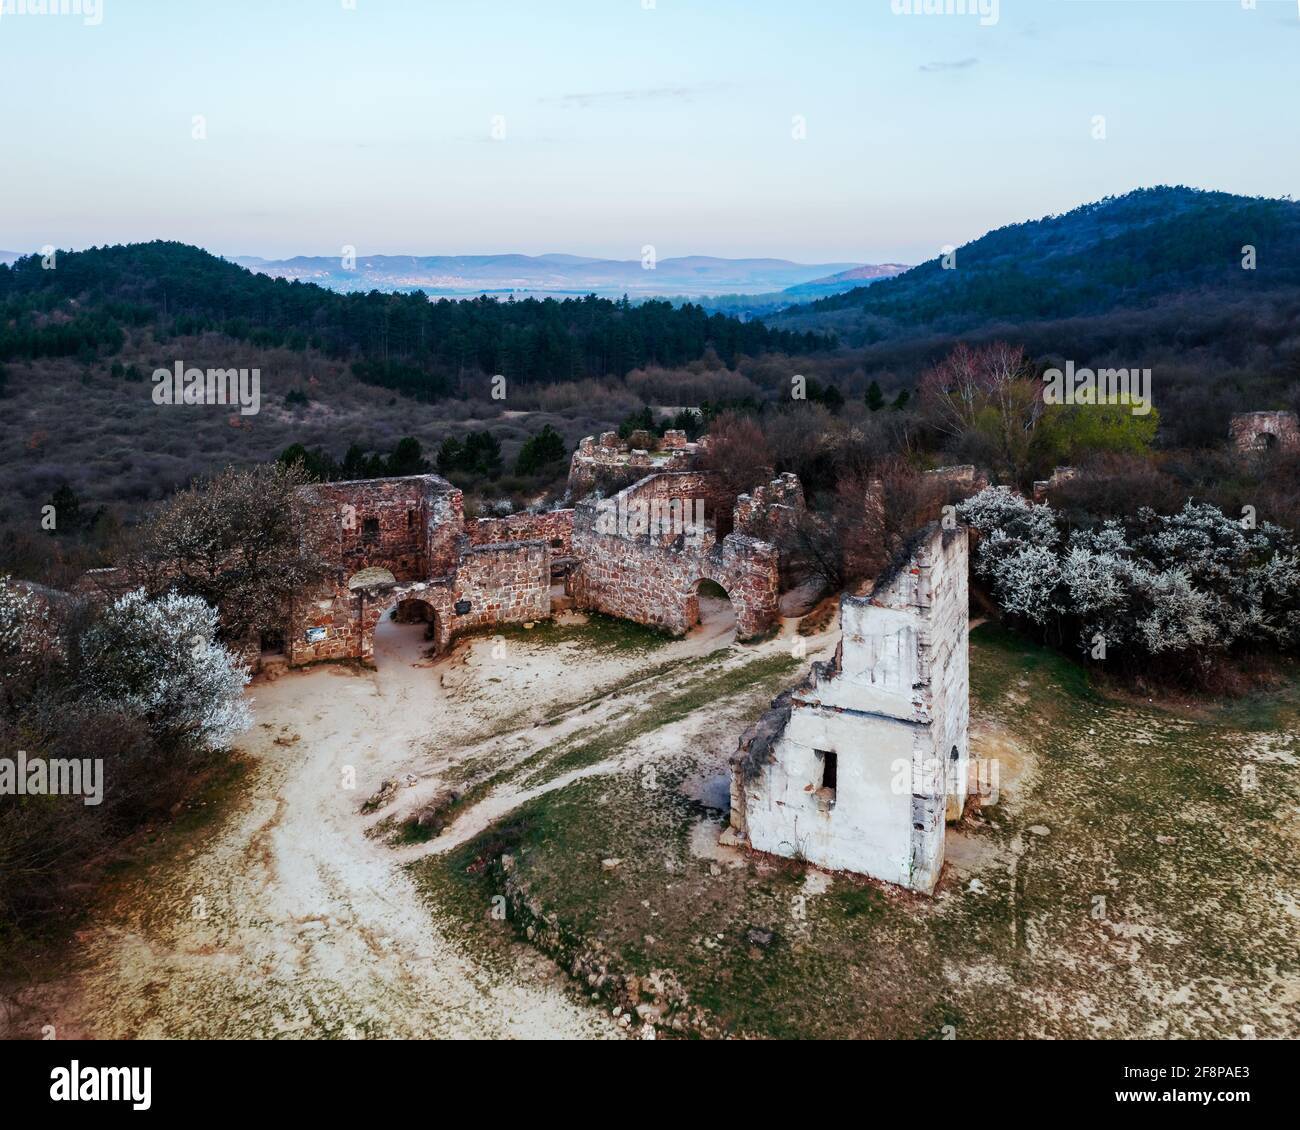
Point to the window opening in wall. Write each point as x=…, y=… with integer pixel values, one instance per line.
x=828, y=765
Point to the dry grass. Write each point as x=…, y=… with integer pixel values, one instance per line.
x=1161, y=902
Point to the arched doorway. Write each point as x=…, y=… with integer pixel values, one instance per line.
x=407, y=632
x=1266, y=440
x=710, y=611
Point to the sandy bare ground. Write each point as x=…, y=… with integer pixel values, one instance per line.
x=289, y=921
x=293, y=917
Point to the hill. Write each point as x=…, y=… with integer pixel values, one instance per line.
x=1125, y=252
x=405, y=342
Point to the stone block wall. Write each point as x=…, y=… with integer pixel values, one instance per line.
x=504, y=583
x=407, y=525
x=653, y=578
x=555, y=527
x=772, y=512
x=886, y=722
x=1260, y=431
x=607, y=464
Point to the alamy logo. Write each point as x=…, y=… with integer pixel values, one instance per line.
x=102, y=1084
x=55, y=776
x=90, y=11
x=656, y=518
x=1102, y=386
x=180, y=385
x=987, y=10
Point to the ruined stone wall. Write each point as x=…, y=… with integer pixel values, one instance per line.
x=607, y=464
x=1044, y=487
x=555, y=527
x=1259, y=431
x=773, y=512
x=504, y=583
x=408, y=526
x=653, y=577
x=415, y=528
x=893, y=711
x=959, y=481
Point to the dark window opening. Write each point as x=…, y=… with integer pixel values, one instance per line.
x=829, y=764
x=557, y=543
x=410, y=519
x=370, y=529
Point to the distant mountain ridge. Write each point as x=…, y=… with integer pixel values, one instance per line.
x=1132, y=252
x=555, y=273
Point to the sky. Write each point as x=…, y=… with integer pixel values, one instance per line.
x=814, y=130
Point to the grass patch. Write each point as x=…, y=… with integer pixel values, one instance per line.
x=601, y=634
x=593, y=745
x=1156, y=905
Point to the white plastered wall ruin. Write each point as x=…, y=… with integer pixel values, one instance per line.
x=858, y=768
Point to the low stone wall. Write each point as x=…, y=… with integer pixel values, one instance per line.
x=1044, y=487
x=1259, y=431
x=960, y=481
x=555, y=527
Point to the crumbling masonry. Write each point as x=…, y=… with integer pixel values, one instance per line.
x=404, y=544
x=1262, y=431
x=859, y=767
x=404, y=541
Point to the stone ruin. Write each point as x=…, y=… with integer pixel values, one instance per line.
x=403, y=545
x=1044, y=487
x=860, y=767
x=642, y=554
x=773, y=512
x=1265, y=431
x=856, y=769
x=609, y=463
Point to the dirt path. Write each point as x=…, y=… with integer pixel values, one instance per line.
x=287, y=920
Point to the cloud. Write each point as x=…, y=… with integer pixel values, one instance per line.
x=955, y=65
x=588, y=99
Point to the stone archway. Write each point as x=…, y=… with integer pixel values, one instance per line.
x=408, y=630
x=415, y=601
x=415, y=610
x=709, y=606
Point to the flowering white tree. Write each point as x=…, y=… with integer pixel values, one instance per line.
x=159, y=659
x=24, y=634
x=1195, y=581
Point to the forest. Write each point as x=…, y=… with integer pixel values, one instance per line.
x=82, y=302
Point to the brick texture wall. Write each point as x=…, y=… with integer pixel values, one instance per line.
x=1258, y=431
x=555, y=527
x=653, y=579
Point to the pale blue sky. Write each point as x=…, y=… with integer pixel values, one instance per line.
x=625, y=126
